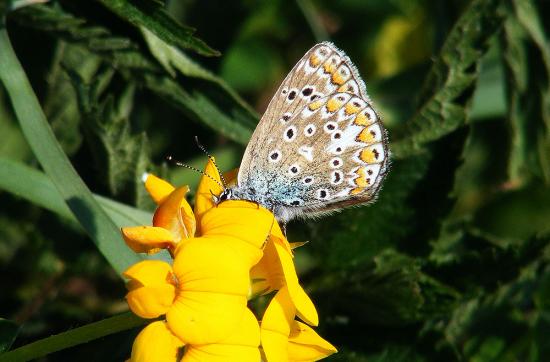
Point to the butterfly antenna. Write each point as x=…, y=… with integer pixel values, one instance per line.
x=203, y=149
x=178, y=163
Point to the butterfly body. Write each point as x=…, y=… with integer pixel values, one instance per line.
x=320, y=146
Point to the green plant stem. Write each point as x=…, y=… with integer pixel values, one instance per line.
x=55, y=162
x=313, y=19
x=73, y=337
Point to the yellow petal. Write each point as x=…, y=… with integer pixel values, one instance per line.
x=279, y=313
x=204, y=317
x=243, y=220
x=150, y=272
x=147, y=239
x=207, y=187
x=275, y=327
x=306, y=345
x=175, y=215
x=151, y=288
x=274, y=347
x=241, y=345
x=278, y=236
x=267, y=275
x=304, y=306
x=155, y=343
x=151, y=302
x=219, y=265
x=157, y=188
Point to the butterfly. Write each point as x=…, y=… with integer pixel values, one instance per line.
x=320, y=145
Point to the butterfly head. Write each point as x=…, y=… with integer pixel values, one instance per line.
x=227, y=194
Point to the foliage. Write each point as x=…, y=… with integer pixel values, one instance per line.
x=451, y=263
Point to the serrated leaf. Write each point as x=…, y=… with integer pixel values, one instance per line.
x=393, y=289
x=173, y=59
x=218, y=107
x=447, y=91
x=150, y=15
x=118, y=150
x=61, y=104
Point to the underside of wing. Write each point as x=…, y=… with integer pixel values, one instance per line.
x=322, y=71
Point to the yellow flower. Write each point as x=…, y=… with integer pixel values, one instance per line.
x=276, y=270
x=217, y=250
x=173, y=221
x=242, y=345
x=204, y=294
x=155, y=343
x=285, y=339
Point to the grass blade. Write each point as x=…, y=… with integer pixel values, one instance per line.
x=57, y=166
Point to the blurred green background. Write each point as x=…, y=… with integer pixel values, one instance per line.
x=451, y=263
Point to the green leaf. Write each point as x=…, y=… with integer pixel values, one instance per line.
x=173, y=59
x=393, y=288
x=38, y=188
x=73, y=337
x=449, y=86
x=234, y=123
x=61, y=104
x=14, y=145
x=42, y=141
x=8, y=332
x=117, y=149
x=150, y=15
x=204, y=98
x=527, y=61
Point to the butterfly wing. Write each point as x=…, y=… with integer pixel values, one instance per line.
x=320, y=145
x=322, y=71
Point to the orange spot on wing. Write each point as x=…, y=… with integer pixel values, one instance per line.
x=329, y=67
x=362, y=180
x=356, y=191
x=333, y=105
x=365, y=136
x=368, y=155
x=314, y=60
x=315, y=105
x=351, y=109
x=337, y=78
x=361, y=120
